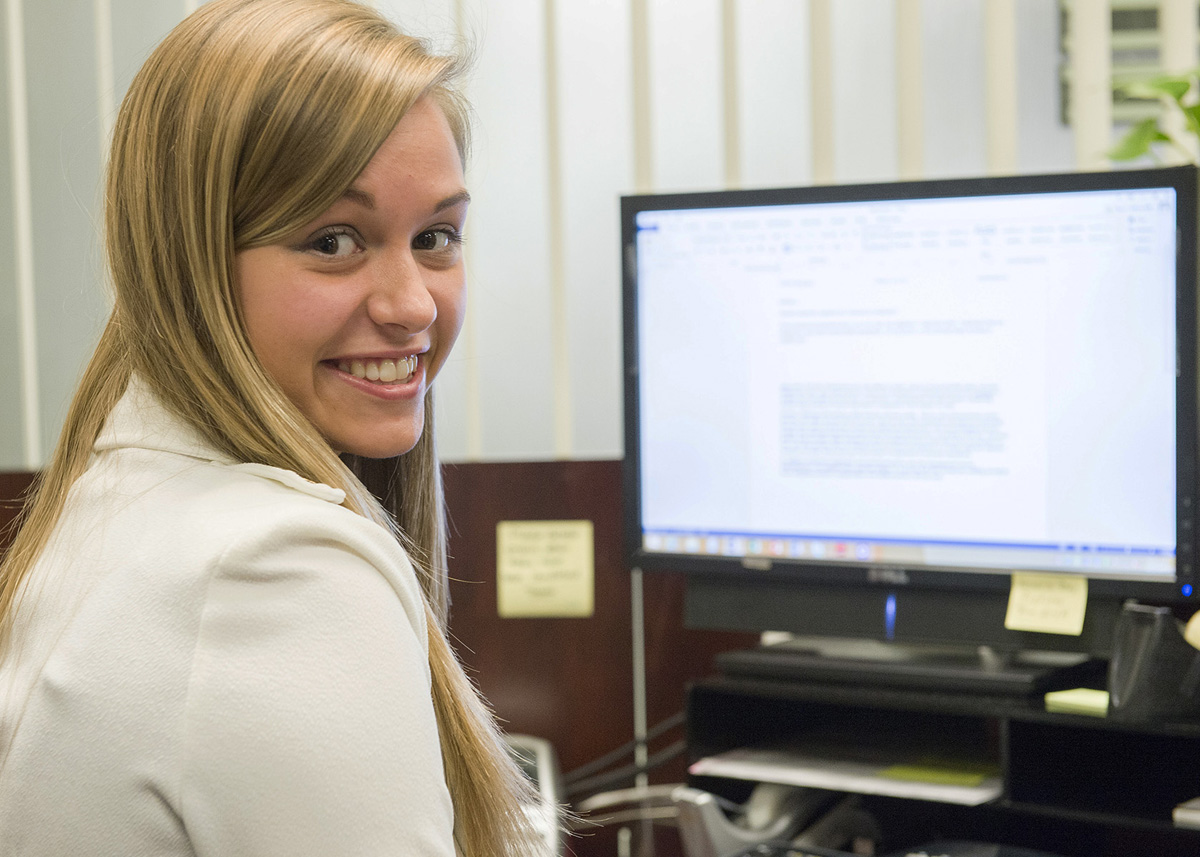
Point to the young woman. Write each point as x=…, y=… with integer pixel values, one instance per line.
x=223, y=616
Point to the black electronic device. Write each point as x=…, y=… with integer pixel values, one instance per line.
x=987, y=674
x=538, y=760
x=857, y=411
x=934, y=849
x=1154, y=673
x=786, y=849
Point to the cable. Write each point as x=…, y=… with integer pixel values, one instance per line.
x=648, y=796
x=611, y=778
x=644, y=795
x=660, y=813
x=590, y=768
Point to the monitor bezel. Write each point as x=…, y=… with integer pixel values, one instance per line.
x=891, y=576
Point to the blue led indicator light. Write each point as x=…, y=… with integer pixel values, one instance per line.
x=1187, y=590
x=889, y=613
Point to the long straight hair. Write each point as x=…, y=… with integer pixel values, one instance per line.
x=250, y=119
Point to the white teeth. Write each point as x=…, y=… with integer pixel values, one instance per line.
x=382, y=371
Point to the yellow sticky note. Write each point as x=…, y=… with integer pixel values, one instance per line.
x=942, y=775
x=1078, y=700
x=544, y=568
x=1049, y=603
x=1191, y=631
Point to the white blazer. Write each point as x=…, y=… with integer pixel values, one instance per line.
x=216, y=658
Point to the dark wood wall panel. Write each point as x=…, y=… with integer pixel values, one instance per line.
x=12, y=489
x=569, y=680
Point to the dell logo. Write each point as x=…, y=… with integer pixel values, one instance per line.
x=888, y=574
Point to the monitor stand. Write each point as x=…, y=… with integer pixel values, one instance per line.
x=866, y=662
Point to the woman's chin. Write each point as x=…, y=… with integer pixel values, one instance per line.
x=376, y=444
x=376, y=450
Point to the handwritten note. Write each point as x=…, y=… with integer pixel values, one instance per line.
x=1049, y=603
x=545, y=569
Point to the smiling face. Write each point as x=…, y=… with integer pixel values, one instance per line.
x=353, y=314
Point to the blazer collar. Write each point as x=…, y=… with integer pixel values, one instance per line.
x=139, y=420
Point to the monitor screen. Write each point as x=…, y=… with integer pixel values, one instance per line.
x=920, y=383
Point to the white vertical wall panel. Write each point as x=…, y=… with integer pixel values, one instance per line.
x=137, y=27
x=1091, y=82
x=65, y=180
x=864, y=92
x=510, y=300
x=731, y=119
x=1044, y=143
x=555, y=238
x=822, y=115
x=432, y=20
x=775, y=92
x=1000, y=85
x=105, y=85
x=910, y=89
x=1177, y=20
x=19, y=144
x=12, y=454
x=685, y=96
x=639, y=57
x=955, y=119
x=596, y=118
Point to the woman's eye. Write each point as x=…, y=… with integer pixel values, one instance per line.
x=437, y=239
x=335, y=244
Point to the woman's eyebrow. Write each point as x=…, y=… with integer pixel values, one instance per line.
x=367, y=199
x=362, y=197
x=453, y=200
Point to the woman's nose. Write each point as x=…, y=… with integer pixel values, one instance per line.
x=400, y=296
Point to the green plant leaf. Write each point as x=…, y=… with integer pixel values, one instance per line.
x=1192, y=114
x=1174, y=87
x=1138, y=140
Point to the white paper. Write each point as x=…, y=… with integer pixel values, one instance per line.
x=790, y=767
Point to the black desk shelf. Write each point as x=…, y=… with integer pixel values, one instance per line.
x=1075, y=785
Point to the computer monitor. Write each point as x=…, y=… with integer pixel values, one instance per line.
x=859, y=410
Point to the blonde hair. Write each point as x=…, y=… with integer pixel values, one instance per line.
x=248, y=120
